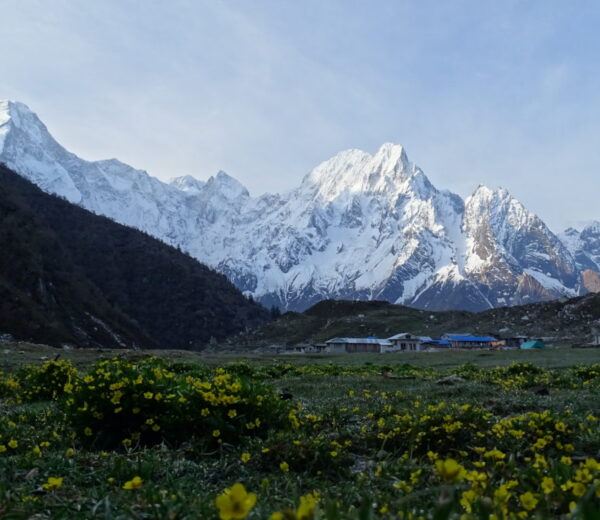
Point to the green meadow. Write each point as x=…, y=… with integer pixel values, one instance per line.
x=175, y=434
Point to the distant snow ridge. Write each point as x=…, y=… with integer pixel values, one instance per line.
x=188, y=184
x=584, y=245
x=359, y=226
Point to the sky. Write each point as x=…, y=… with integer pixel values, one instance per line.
x=477, y=91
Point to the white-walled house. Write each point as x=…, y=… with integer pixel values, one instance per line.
x=405, y=342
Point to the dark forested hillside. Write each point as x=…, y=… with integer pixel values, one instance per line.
x=69, y=276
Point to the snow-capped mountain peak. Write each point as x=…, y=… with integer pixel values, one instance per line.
x=187, y=184
x=584, y=245
x=354, y=171
x=227, y=186
x=496, y=206
x=592, y=228
x=392, y=157
x=12, y=111
x=20, y=117
x=359, y=226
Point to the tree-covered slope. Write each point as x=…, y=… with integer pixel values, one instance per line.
x=69, y=276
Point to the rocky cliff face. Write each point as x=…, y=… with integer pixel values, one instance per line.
x=359, y=226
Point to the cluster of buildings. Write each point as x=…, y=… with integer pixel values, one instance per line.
x=406, y=342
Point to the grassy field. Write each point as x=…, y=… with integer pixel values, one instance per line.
x=13, y=355
x=80, y=439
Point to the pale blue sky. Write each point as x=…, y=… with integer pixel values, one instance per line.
x=503, y=93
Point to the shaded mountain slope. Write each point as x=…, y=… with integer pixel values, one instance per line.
x=69, y=276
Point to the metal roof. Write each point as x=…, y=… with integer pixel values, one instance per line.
x=371, y=341
x=474, y=339
x=403, y=335
x=437, y=341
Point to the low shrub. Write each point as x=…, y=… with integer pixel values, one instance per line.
x=9, y=386
x=45, y=382
x=442, y=428
x=146, y=403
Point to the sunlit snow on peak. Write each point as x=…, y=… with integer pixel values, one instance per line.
x=359, y=226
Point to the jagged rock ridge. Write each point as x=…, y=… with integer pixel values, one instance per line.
x=359, y=226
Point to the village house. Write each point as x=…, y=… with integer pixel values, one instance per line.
x=466, y=341
x=405, y=342
x=355, y=345
x=305, y=348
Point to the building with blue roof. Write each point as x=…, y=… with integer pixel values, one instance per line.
x=468, y=341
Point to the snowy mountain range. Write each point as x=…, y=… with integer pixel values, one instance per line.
x=358, y=226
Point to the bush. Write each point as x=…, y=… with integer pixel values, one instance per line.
x=147, y=403
x=45, y=382
x=32, y=430
x=441, y=428
x=9, y=386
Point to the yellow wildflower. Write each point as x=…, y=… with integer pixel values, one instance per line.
x=235, y=502
x=53, y=483
x=306, y=509
x=578, y=489
x=134, y=483
x=495, y=454
x=560, y=426
x=528, y=500
x=583, y=475
x=450, y=470
x=592, y=464
x=502, y=494
x=548, y=485
x=467, y=500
